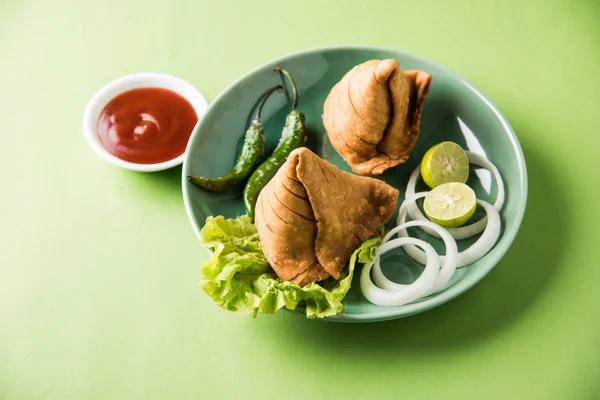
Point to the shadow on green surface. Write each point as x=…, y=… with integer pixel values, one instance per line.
x=167, y=181
x=501, y=298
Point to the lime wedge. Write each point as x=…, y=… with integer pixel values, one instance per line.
x=450, y=205
x=443, y=163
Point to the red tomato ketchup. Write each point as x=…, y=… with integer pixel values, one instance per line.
x=146, y=125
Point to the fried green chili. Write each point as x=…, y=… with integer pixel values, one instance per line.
x=293, y=136
x=250, y=155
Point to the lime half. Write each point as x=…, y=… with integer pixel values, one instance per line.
x=450, y=205
x=443, y=163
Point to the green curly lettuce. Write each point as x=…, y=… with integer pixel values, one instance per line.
x=238, y=277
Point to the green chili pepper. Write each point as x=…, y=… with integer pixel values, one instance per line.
x=293, y=136
x=250, y=155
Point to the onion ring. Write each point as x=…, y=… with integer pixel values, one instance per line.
x=448, y=266
x=474, y=252
x=409, y=293
x=466, y=231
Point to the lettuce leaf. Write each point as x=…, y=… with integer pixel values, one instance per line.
x=238, y=277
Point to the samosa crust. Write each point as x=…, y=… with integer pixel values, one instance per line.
x=312, y=216
x=372, y=115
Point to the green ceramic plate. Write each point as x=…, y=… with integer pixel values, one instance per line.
x=454, y=110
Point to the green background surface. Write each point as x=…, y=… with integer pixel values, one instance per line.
x=99, y=266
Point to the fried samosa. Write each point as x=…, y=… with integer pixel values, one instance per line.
x=372, y=115
x=312, y=216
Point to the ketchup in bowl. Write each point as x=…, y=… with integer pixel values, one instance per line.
x=146, y=125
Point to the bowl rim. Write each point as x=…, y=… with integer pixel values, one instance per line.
x=460, y=287
x=133, y=81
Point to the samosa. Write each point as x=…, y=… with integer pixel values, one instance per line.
x=312, y=216
x=372, y=115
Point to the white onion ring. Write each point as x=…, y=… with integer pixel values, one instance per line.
x=448, y=266
x=409, y=293
x=474, y=252
x=466, y=231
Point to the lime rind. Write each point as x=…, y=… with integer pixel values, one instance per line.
x=444, y=163
x=450, y=205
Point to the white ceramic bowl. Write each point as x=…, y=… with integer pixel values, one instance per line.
x=135, y=81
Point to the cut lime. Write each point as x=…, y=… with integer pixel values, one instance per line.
x=450, y=205
x=443, y=163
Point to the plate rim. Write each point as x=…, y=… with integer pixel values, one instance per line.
x=462, y=286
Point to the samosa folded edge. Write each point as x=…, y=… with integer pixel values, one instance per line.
x=372, y=115
x=311, y=216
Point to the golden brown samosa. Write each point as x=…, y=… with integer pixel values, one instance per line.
x=312, y=216
x=372, y=115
